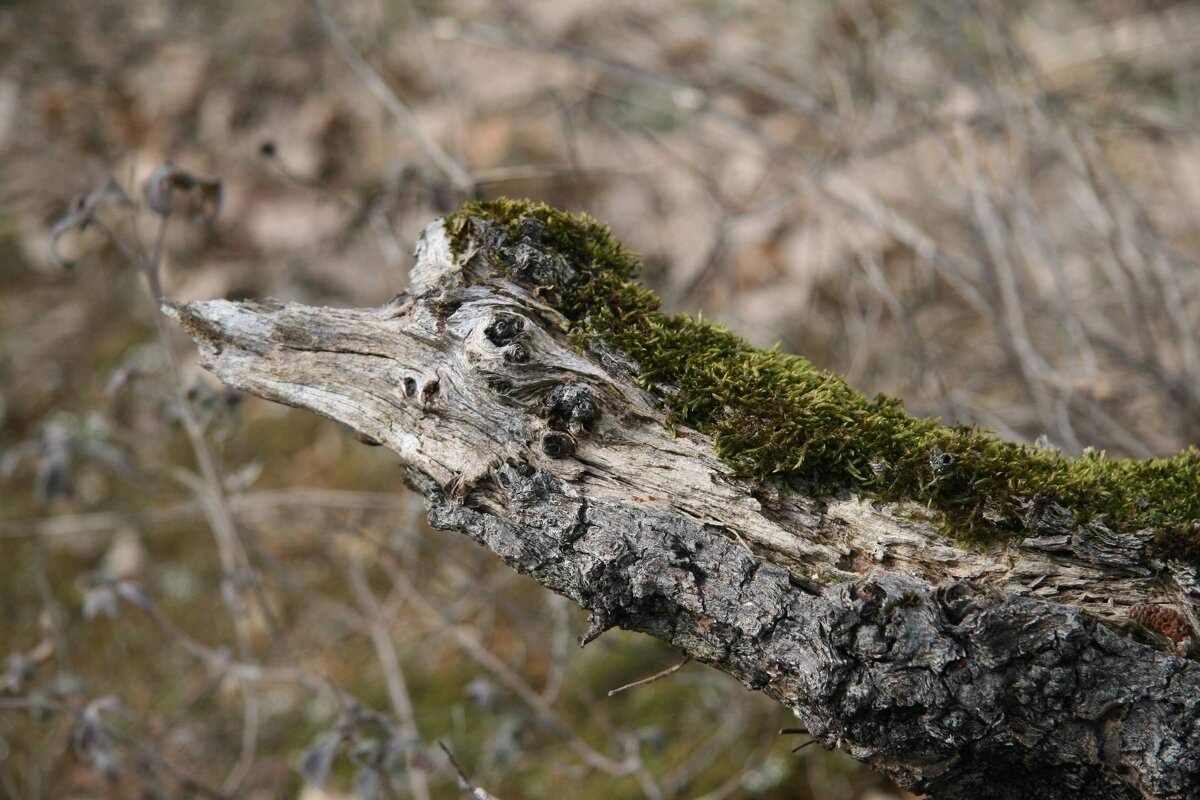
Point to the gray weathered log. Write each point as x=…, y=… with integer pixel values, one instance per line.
x=961, y=674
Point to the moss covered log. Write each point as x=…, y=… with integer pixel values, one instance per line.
x=775, y=415
x=1061, y=667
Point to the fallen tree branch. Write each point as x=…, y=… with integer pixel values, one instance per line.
x=1005, y=673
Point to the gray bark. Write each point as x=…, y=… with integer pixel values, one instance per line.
x=962, y=674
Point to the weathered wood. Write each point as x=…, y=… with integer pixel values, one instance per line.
x=958, y=673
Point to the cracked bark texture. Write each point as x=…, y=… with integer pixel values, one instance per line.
x=959, y=674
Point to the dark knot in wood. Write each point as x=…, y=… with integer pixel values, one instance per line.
x=557, y=445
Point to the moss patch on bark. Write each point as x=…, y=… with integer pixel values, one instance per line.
x=771, y=414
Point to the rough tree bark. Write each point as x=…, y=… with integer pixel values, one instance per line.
x=961, y=674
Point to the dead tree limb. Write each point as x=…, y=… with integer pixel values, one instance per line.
x=1000, y=674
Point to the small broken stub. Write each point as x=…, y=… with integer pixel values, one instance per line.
x=366, y=439
x=571, y=407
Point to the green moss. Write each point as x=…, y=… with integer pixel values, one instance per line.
x=774, y=415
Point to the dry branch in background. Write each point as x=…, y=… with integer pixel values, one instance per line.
x=958, y=673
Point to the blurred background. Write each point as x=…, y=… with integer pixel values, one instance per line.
x=988, y=209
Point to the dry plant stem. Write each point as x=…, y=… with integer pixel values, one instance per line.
x=437, y=622
x=218, y=660
x=240, y=504
x=457, y=174
x=730, y=727
x=651, y=679
x=146, y=754
x=557, y=671
x=1139, y=252
x=1145, y=253
x=1059, y=398
x=449, y=88
x=1112, y=210
x=1002, y=284
x=902, y=312
x=735, y=781
x=369, y=621
x=210, y=490
x=234, y=561
x=54, y=614
x=464, y=782
x=1154, y=282
x=397, y=687
x=960, y=673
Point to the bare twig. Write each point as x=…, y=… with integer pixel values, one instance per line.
x=453, y=170
x=736, y=780
x=218, y=660
x=730, y=728
x=561, y=642
x=553, y=172
x=56, y=620
x=248, y=502
x=656, y=676
x=397, y=686
x=144, y=753
x=158, y=193
x=505, y=674
x=464, y=782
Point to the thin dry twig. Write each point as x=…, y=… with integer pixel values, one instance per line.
x=147, y=755
x=464, y=782
x=671, y=670
x=560, y=643
x=453, y=170
x=218, y=660
x=436, y=621
x=159, y=193
x=247, y=502
x=397, y=686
